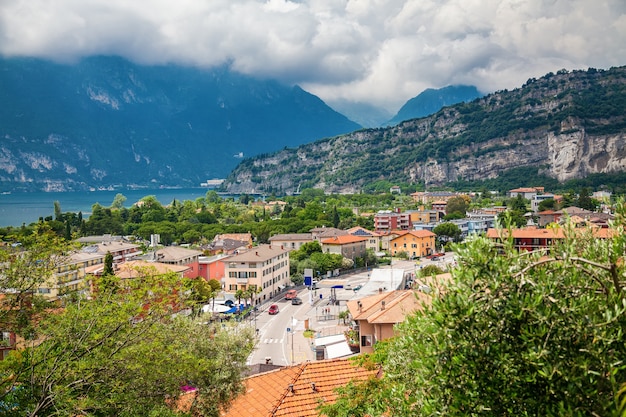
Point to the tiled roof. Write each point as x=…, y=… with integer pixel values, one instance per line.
x=176, y=253
x=132, y=269
x=361, y=231
x=259, y=253
x=295, y=391
x=343, y=240
x=397, y=305
x=292, y=236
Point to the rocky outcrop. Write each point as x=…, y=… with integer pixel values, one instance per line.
x=567, y=125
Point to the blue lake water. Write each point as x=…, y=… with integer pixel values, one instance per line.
x=18, y=208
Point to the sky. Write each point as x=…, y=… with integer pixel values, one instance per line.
x=380, y=52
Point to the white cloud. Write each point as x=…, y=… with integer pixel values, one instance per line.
x=378, y=51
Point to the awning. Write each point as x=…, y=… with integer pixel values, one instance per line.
x=235, y=309
x=338, y=350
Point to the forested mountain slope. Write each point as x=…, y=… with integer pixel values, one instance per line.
x=106, y=122
x=566, y=125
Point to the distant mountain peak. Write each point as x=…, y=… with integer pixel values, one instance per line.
x=431, y=100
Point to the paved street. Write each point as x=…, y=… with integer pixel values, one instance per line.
x=280, y=336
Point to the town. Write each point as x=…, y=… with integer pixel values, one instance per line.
x=307, y=298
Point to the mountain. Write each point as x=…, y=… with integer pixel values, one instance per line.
x=105, y=122
x=565, y=125
x=431, y=100
x=364, y=114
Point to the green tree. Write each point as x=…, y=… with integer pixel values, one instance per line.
x=514, y=334
x=447, y=231
x=547, y=204
x=108, y=264
x=585, y=201
x=457, y=205
x=118, y=201
x=58, y=214
x=124, y=354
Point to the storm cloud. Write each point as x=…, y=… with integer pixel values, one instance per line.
x=380, y=52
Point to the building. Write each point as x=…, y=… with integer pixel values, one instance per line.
x=70, y=275
x=377, y=315
x=139, y=268
x=295, y=391
x=177, y=255
x=373, y=238
x=264, y=267
x=321, y=233
x=226, y=246
x=387, y=220
x=537, y=199
x=291, y=241
x=212, y=267
x=425, y=216
x=526, y=192
x=532, y=238
x=427, y=197
x=416, y=243
x=348, y=246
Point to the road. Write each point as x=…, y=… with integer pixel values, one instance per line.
x=286, y=348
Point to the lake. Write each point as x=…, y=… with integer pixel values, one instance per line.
x=18, y=208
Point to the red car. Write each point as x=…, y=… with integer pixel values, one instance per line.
x=273, y=309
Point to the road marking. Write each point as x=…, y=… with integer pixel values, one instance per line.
x=270, y=341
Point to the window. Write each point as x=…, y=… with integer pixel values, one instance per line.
x=366, y=340
x=252, y=265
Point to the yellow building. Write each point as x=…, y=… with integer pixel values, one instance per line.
x=265, y=267
x=416, y=243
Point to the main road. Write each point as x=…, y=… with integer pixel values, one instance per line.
x=279, y=337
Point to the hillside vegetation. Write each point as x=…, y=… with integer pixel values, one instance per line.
x=564, y=126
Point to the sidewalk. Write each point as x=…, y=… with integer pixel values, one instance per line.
x=323, y=319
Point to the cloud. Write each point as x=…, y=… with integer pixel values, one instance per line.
x=377, y=51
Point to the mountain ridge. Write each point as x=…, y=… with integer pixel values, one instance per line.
x=566, y=125
x=106, y=122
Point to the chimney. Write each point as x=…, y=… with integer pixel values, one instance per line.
x=358, y=303
x=313, y=386
x=256, y=253
x=291, y=388
x=380, y=291
x=382, y=305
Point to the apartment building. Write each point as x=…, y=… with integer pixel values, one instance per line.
x=264, y=267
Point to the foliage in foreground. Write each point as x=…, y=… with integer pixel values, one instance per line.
x=515, y=334
x=123, y=353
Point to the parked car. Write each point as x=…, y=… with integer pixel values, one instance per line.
x=347, y=286
x=273, y=309
x=296, y=301
x=358, y=287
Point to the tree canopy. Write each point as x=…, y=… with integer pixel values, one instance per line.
x=124, y=352
x=513, y=334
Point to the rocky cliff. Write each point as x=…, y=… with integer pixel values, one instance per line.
x=566, y=125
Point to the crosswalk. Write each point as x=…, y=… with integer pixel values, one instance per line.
x=270, y=341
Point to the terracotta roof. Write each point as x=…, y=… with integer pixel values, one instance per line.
x=524, y=190
x=295, y=391
x=176, y=253
x=397, y=305
x=259, y=253
x=420, y=233
x=243, y=237
x=343, y=240
x=131, y=269
x=292, y=236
